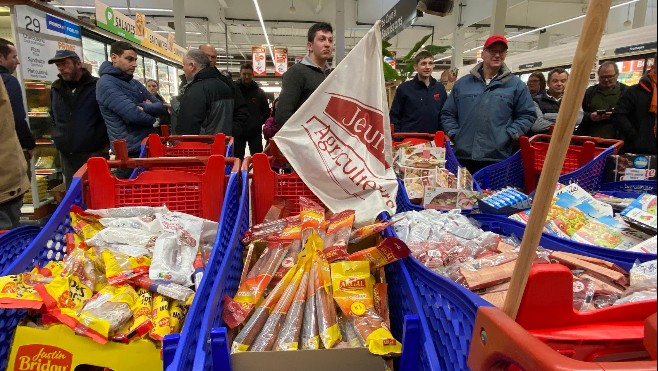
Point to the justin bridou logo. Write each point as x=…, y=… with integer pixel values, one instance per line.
x=39, y=357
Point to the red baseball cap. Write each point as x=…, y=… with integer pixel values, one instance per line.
x=495, y=39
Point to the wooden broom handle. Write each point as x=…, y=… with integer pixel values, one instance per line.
x=588, y=44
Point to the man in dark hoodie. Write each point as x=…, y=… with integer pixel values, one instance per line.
x=129, y=110
x=79, y=131
x=635, y=115
x=301, y=80
x=258, y=112
x=206, y=105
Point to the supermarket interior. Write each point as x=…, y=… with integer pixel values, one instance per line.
x=396, y=185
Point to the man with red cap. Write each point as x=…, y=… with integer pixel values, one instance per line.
x=488, y=110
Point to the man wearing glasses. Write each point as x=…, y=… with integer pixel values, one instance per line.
x=599, y=103
x=488, y=110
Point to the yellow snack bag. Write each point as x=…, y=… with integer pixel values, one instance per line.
x=14, y=293
x=177, y=313
x=161, y=318
x=84, y=225
x=353, y=291
x=105, y=313
x=64, y=296
x=142, y=308
x=52, y=269
x=120, y=268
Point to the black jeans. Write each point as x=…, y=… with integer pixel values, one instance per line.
x=240, y=144
x=10, y=213
x=72, y=162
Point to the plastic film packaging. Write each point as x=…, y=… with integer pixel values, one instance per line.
x=310, y=337
x=388, y=251
x=264, y=230
x=127, y=211
x=288, y=338
x=122, y=236
x=146, y=223
x=15, y=293
x=167, y=288
x=177, y=313
x=120, y=268
x=290, y=259
x=161, y=318
x=339, y=227
x=172, y=261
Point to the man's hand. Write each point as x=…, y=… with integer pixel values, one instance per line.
x=596, y=117
x=147, y=101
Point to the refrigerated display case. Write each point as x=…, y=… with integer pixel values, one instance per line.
x=174, y=80
x=139, y=71
x=164, y=81
x=94, y=53
x=150, y=71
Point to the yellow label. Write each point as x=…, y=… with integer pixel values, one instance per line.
x=331, y=336
x=358, y=308
x=238, y=348
x=381, y=342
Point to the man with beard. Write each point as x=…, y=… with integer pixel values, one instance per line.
x=79, y=131
x=259, y=110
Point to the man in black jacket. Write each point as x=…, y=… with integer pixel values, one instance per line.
x=259, y=110
x=206, y=105
x=635, y=116
x=301, y=80
x=599, y=102
x=79, y=131
x=8, y=63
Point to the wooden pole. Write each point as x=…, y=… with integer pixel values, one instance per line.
x=588, y=44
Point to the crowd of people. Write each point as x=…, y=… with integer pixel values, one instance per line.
x=484, y=115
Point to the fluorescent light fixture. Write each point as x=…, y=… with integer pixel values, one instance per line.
x=115, y=8
x=544, y=27
x=262, y=24
x=272, y=89
x=172, y=31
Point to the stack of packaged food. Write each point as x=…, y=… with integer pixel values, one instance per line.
x=455, y=246
x=311, y=283
x=127, y=274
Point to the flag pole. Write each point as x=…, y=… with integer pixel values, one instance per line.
x=588, y=44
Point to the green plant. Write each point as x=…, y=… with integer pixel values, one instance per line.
x=406, y=64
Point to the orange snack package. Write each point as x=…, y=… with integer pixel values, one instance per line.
x=252, y=288
x=388, y=251
x=353, y=291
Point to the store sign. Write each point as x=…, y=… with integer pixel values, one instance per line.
x=135, y=31
x=259, y=57
x=636, y=48
x=528, y=66
x=398, y=18
x=281, y=61
x=39, y=36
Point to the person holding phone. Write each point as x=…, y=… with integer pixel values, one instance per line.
x=599, y=103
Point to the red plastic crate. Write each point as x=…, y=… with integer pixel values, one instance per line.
x=419, y=138
x=548, y=331
x=581, y=151
x=185, y=145
x=268, y=185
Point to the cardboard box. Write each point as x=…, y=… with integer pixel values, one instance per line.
x=630, y=167
x=59, y=348
x=317, y=360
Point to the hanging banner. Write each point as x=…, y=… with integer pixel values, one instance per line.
x=135, y=31
x=281, y=61
x=259, y=56
x=339, y=140
x=39, y=35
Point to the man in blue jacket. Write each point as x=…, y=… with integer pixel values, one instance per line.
x=129, y=110
x=79, y=131
x=418, y=102
x=488, y=110
x=8, y=63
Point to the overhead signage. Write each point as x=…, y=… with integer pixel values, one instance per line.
x=280, y=61
x=637, y=48
x=259, y=58
x=135, y=31
x=398, y=18
x=39, y=36
x=528, y=66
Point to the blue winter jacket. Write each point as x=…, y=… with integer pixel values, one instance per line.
x=417, y=107
x=484, y=120
x=118, y=96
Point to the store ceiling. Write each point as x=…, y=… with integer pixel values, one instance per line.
x=288, y=29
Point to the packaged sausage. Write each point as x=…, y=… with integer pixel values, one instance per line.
x=288, y=338
x=252, y=288
x=289, y=260
x=311, y=216
x=338, y=233
x=252, y=328
x=264, y=230
x=369, y=230
x=324, y=304
x=388, y=251
x=161, y=318
x=268, y=335
x=166, y=288
x=353, y=291
x=310, y=338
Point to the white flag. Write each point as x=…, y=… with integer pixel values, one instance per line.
x=339, y=140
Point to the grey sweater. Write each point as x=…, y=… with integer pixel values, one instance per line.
x=299, y=82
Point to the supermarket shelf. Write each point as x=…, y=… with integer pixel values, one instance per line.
x=38, y=114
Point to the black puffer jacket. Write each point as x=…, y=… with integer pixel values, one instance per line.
x=636, y=125
x=259, y=109
x=206, y=105
x=78, y=126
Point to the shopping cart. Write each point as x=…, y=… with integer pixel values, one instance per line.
x=210, y=195
x=290, y=186
x=449, y=311
x=584, y=164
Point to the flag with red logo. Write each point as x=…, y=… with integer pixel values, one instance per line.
x=259, y=60
x=339, y=140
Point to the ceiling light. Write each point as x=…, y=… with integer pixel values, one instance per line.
x=262, y=24
x=115, y=8
x=292, y=9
